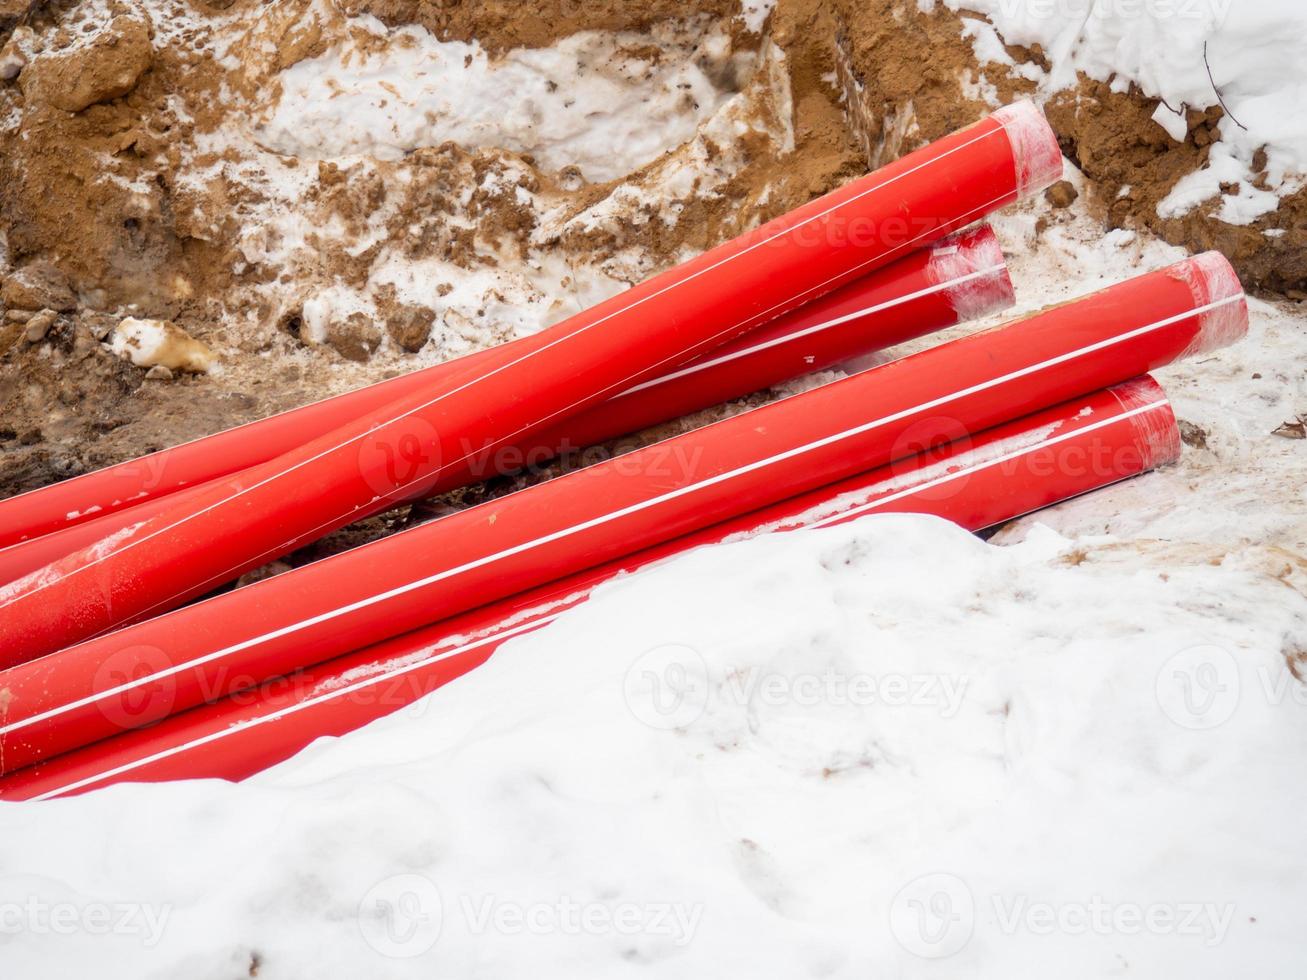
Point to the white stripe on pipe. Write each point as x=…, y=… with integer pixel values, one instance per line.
x=1006, y=458
x=299, y=706
x=508, y=634
x=615, y=515
x=396, y=494
x=503, y=367
x=818, y=328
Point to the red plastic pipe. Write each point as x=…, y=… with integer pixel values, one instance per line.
x=662, y=323
x=127, y=486
x=961, y=278
x=612, y=509
x=1003, y=473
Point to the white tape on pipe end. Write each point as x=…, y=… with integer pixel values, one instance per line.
x=1158, y=430
x=1215, y=284
x=1034, y=147
x=972, y=262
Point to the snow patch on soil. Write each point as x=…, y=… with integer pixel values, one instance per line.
x=605, y=103
x=485, y=244
x=1253, y=52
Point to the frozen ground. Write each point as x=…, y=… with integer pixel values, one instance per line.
x=886, y=749
x=416, y=91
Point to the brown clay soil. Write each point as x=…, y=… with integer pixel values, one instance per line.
x=121, y=193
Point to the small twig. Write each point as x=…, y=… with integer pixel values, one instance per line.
x=1184, y=107
x=1219, y=97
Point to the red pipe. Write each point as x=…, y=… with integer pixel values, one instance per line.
x=616, y=508
x=1003, y=473
x=655, y=326
x=963, y=277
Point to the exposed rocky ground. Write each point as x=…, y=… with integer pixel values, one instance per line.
x=201, y=167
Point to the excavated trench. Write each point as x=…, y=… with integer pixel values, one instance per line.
x=218, y=166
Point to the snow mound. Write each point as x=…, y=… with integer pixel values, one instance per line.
x=836, y=753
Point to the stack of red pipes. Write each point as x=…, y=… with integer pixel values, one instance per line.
x=109, y=675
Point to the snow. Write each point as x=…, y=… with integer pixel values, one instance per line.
x=590, y=100
x=703, y=164
x=765, y=754
x=755, y=13
x=844, y=752
x=1167, y=47
x=1175, y=123
x=149, y=342
x=139, y=340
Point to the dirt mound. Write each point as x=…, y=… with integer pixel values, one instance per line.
x=139, y=188
x=901, y=99
x=137, y=179
x=73, y=76
x=1135, y=165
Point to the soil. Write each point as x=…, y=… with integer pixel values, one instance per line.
x=1131, y=161
x=130, y=186
x=501, y=25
